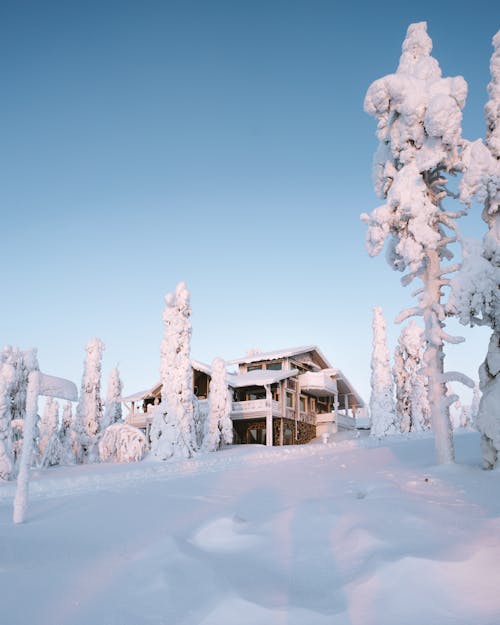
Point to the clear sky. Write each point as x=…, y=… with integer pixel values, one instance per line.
x=222, y=143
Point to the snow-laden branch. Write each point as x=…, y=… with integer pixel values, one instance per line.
x=456, y=376
x=450, y=269
x=416, y=311
x=409, y=277
x=452, y=214
x=448, y=400
x=454, y=340
x=447, y=241
x=449, y=223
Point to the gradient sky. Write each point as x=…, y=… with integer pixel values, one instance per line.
x=222, y=143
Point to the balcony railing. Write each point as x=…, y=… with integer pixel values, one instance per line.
x=253, y=409
x=318, y=383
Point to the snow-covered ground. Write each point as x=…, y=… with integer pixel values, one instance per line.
x=345, y=534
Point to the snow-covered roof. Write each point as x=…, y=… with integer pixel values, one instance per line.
x=258, y=378
x=201, y=366
x=287, y=352
x=345, y=386
x=140, y=395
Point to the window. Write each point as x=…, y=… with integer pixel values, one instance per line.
x=254, y=368
x=257, y=394
x=256, y=435
x=290, y=403
x=274, y=366
x=312, y=404
x=303, y=404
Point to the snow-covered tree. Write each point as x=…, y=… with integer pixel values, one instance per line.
x=382, y=410
x=113, y=411
x=121, y=442
x=412, y=404
x=419, y=116
x=476, y=290
x=173, y=430
x=89, y=408
x=7, y=380
x=15, y=367
x=474, y=407
x=67, y=436
x=49, y=445
x=219, y=425
x=455, y=407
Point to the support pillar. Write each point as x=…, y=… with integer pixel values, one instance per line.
x=269, y=416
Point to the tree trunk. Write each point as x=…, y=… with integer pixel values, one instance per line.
x=434, y=360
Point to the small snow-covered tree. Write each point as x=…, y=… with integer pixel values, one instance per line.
x=382, y=411
x=113, y=411
x=7, y=380
x=474, y=407
x=122, y=442
x=89, y=408
x=455, y=405
x=173, y=430
x=219, y=425
x=419, y=117
x=15, y=367
x=412, y=405
x=49, y=446
x=476, y=290
x=67, y=435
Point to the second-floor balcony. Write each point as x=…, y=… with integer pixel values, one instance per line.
x=318, y=383
x=254, y=409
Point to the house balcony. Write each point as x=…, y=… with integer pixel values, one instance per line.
x=318, y=383
x=141, y=420
x=254, y=409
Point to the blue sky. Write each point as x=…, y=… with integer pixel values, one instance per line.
x=220, y=143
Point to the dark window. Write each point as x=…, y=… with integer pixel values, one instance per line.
x=274, y=366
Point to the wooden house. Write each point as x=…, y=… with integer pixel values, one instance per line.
x=294, y=393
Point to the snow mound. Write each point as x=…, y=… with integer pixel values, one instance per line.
x=122, y=442
x=237, y=610
x=224, y=535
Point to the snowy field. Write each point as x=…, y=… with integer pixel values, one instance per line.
x=346, y=534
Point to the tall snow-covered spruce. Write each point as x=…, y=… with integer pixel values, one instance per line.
x=89, y=409
x=219, y=425
x=382, y=412
x=476, y=289
x=172, y=430
x=419, y=116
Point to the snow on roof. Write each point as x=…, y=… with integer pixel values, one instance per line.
x=287, y=352
x=343, y=381
x=258, y=378
x=201, y=366
x=140, y=395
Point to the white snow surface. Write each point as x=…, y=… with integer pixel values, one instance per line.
x=354, y=533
